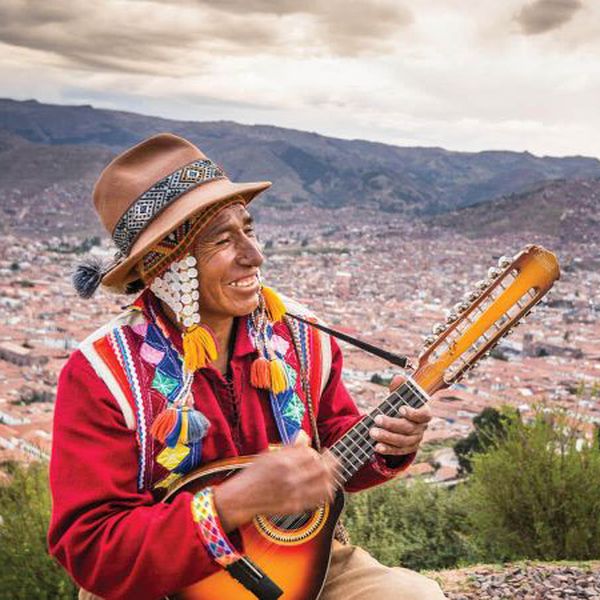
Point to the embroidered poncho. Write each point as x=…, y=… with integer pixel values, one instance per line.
x=109, y=532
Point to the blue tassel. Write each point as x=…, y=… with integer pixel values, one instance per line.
x=173, y=437
x=197, y=426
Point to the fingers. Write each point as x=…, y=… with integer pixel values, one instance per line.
x=397, y=439
x=396, y=450
x=416, y=415
x=398, y=436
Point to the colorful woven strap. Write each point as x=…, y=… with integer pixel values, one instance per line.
x=211, y=531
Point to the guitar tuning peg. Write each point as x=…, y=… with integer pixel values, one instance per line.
x=451, y=317
x=493, y=272
x=428, y=340
x=460, y=307
x=471, y=296
x=482, y=284
x=504, y=261
x=438, y=328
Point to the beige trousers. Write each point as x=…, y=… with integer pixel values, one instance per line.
x=355, y=575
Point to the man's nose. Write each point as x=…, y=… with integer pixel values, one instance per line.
x=250, y=254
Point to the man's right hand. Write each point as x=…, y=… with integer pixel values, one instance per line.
x=284, y=481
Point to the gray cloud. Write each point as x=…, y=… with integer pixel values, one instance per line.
x=545, y=15
x=175, y=38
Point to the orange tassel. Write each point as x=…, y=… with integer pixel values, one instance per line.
x=274, y=304
x=163, y=424
x=260, y=374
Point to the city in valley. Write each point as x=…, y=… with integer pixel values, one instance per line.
x=384, y=278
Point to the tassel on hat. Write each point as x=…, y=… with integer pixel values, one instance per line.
x=88, y=274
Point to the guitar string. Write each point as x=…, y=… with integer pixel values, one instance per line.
x=293, y=520
x=357, y=436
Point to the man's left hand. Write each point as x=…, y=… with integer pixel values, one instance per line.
x=403, y=435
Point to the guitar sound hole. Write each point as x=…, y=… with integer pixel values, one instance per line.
x=291, y=522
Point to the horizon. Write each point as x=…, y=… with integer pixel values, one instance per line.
x=517, y=76
x=319, y=133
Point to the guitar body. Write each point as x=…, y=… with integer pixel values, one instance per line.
x=293, y=551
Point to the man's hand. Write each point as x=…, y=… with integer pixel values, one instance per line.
x=398, y=436
x=285, y=481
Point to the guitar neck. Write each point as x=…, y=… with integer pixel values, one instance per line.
x=356, y=447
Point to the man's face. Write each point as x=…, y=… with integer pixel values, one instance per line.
x=228, y=258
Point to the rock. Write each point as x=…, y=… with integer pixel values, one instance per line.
x=531, y=582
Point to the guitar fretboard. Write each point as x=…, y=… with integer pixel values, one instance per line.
x=356, y=447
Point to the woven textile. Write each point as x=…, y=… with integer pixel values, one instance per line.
x=288, y=409
x=211, y=532
x=178, y=242
x=159, y=196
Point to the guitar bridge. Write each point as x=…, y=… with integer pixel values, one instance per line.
x=254, y=579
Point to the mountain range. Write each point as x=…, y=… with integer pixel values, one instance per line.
x=50, y=155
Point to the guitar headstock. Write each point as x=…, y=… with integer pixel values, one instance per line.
x=485, y=315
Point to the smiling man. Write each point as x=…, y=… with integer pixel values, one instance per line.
x=204, y=365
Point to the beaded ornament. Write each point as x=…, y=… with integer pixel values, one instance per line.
x=177, y=287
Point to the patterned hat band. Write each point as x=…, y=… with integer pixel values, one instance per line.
x=141, y=213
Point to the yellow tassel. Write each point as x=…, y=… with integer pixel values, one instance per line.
x=183, y=434
x=274, y=304
x=198, y=348
x=279, y=381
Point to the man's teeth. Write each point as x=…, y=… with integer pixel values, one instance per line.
x=246, y=282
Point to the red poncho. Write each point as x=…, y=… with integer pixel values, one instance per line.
x=119, y=542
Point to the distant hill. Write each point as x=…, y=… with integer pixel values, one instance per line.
x=568, y=210
x=50, y=155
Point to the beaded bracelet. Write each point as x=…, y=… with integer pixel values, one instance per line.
x=211, y=531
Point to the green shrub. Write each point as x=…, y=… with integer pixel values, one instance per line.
x=418, y=526
x=534, y=493
x=27, y=571
x=488, y=426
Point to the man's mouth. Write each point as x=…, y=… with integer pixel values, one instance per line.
x=245, y=282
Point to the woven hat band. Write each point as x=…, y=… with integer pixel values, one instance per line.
x=143, y=210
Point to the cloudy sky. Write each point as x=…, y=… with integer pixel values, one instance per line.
x=461, y=74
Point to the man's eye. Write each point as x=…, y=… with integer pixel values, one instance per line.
x=250, y=231
x=222, y=241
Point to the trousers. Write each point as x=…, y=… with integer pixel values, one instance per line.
x=355, y=575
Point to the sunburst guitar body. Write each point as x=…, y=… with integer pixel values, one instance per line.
x=288, y=556
x=296, y=548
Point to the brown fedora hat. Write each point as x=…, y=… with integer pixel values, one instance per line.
x=149, y=190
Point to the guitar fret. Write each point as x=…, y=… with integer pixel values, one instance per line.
x=356, y=447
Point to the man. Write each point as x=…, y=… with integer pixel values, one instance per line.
x=203, y=365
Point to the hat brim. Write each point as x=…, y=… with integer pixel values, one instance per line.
x=186, y=206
